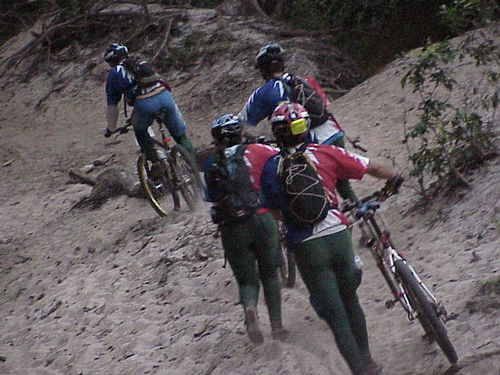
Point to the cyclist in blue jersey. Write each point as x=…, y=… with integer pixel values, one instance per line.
x=147, y=99
x=261, y=104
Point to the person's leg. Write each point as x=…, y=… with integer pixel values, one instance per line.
x=174, y=121
x=141, y=121
x=314, y=260
x=266, y=250
x=349, y=279
x=185, y=142
x=237, y=240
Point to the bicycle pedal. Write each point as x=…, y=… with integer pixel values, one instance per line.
x=450, y=316
x=370, y=242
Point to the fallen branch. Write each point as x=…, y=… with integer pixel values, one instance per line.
x=107, y=184
x=82, y=179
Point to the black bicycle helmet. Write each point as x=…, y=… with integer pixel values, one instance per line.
x=115, y=53
x=268, y=54
x=227, y=130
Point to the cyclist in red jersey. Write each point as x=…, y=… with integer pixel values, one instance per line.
x=323, y=251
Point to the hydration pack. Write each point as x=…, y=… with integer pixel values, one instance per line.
x=142, y=69
x=308, y=93
x=229, y=178
x=306, y=202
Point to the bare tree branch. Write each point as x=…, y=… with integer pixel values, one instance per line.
x=165, y=39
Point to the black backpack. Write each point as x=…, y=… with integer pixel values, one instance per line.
x=300, y=91
x=306, y=202
x=142, y=69
x=229, y=178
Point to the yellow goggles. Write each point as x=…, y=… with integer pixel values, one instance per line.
x=298, y=126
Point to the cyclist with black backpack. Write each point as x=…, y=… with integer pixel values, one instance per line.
x=136, y=80
x=281, y=86
x=249, y=233
x=320, y=240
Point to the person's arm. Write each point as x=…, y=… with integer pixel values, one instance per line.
x=379, y=170
x=112, y=116
x=393, y=179
x=262, y=102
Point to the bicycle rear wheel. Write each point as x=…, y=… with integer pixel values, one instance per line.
x=427, y=312
x=187, y=176
x=160, y=194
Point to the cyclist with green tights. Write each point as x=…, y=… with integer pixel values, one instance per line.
x=249, y=233
x=323, y=250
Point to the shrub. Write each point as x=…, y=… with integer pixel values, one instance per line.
x=451, y=139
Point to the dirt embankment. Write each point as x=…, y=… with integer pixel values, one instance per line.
x=119, y=290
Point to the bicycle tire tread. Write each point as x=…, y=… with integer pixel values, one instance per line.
x=144, y=181
x=426, y=308
x=191, y=196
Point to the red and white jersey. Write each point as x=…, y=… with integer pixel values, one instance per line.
x=332, y=163
x=335, y=163
x=255, y=157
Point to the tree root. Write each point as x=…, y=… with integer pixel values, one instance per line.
x=109, y=183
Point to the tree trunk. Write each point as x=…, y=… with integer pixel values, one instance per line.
x=147, y=16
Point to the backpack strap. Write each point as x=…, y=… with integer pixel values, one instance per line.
x=285, y=78
x=240, y=150
x=221, y=157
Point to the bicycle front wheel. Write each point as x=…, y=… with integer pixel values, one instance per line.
x=187, y=177
x=426, y=310
x=160, y=194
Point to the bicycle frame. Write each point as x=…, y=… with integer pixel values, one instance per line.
x=385, y=255
x=164, y=139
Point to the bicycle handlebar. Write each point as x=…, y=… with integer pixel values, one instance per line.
x=261, y=139
x=370, y=202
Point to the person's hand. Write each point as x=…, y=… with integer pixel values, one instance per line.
x=107, y=132
x=393, y=184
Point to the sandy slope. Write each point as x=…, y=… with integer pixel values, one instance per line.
x=119, y=290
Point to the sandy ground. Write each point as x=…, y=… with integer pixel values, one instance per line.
x=119, y=290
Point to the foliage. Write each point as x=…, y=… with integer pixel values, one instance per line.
x=451, y=139
x=195, y=49
x=18, y=15
x=373, y=32
x=469, y=14
x=72, y=8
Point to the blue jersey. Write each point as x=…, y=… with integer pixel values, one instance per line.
x=119, y=82
x=263, y=101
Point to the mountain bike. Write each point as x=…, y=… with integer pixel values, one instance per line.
x=406, y=286
x=287, y=268
x=180, y=173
